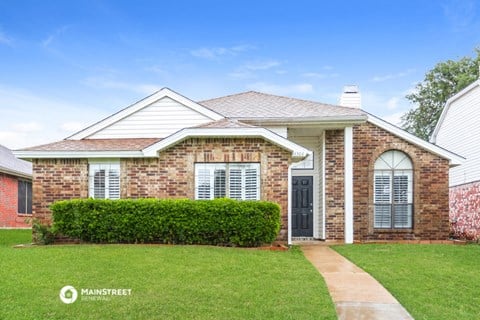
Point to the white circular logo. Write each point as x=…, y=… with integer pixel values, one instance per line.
x=68, y=294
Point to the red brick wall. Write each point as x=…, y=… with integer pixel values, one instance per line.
x=169, y=176
x=334, y=185
x=57, y=179
x=9, y=217
x=465, y=211
x=430, y=187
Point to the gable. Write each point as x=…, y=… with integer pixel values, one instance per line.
x=158, y=120
x=458, y=130
x=156, y=116
x=454, y=159
x=462, y=108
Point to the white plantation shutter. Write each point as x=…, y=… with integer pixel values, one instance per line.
x=401, y=188
x=99, y=184
x=239, y=181
x=114, y=184
x=236, y=183
x=252, y=184
x=104, y=180
x=203, y=184
x=382, y=200
x=220, y=185
x=382, y=188
x=402, y=196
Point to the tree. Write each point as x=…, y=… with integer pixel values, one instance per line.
x=443, y=81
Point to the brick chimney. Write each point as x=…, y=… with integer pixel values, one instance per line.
x=351, y=97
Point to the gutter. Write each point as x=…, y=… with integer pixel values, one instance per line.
x=77, y=154
x=16, y=173
x=289, y=214
x=297, y=121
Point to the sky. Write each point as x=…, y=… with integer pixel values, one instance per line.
x=67, y=64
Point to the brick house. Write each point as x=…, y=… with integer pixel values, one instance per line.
x=15, y=191
x=337, y=172
x=457, y=129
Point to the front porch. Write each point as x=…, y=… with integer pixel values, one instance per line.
x=321, y=186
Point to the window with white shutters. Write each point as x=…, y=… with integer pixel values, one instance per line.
x=239, y=181
x=104, y=180
x=393, y=191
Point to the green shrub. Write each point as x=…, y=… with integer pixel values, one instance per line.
x=217, y=222
x=42, y=234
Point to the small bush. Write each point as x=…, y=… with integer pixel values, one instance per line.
x=217, y=222
x=42, y=234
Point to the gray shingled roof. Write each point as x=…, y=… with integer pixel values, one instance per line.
x=254, y=105
x=11, y=165
x=225, y=123
x=133, y=144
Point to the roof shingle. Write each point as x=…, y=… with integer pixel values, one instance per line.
x=225, y=123
x=255, y=105
x=10, y=164
x=135, y=144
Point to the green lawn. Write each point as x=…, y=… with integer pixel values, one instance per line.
x=167, y=282
x=430, y=281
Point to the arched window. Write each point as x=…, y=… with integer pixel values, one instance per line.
x=393, y=191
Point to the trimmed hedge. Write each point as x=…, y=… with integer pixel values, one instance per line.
x=217, y=222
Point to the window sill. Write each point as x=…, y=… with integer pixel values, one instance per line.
x=384, y=230
x=24, y=214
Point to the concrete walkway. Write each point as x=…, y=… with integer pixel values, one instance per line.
x=355, y=293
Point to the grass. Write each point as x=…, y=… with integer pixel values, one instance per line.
x=430, y=281
x=167, y=282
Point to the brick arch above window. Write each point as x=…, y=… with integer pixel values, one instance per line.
x=389, y=148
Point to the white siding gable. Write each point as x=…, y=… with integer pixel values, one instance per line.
x=155, y=116
x=459, y=132
x=157, y=120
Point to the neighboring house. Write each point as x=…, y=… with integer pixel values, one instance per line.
x=338, y=173
x=15, y=191
x=458, y=130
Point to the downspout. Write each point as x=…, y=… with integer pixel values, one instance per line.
x=324, y=201
x=289, y=214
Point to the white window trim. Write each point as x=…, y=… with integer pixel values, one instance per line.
x=391, y=173
x=112, y=164
x=227, y=167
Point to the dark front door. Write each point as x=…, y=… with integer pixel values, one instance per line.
x=302, y=206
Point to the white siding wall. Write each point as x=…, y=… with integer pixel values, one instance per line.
x=460, y=133
x=158, y=120
x=313, y=143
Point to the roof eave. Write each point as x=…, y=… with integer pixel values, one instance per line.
x=454, y=159
x=76, y=154
x=16, y=173
x=306, y=121
x=433, y=138
x=298, y=152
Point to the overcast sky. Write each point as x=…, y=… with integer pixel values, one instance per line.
x=67, y=64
